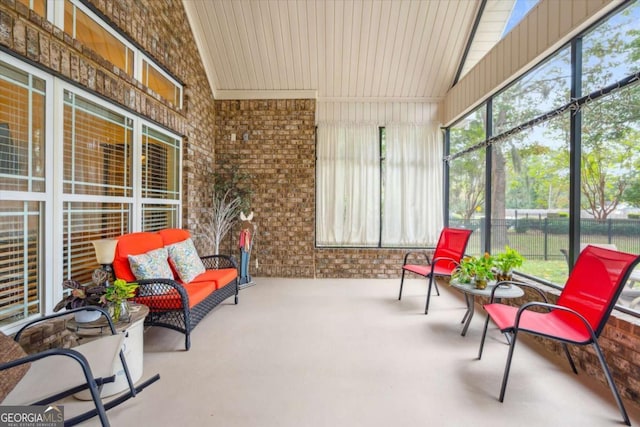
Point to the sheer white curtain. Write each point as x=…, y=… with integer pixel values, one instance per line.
x=413, y=186
x=348, y=185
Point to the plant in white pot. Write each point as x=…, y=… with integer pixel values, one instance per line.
x=82, y=296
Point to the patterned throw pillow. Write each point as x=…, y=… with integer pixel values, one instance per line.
x=152, y=265
x=185, y=260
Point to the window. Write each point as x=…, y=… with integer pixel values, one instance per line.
x=161, y=83
x=531, y=144
x=98, y=192
x=359, y=169
x=610, y=50
x=467, y=178
x=412, y=213
x=22, y=192
x=530, y=197
x=82, y=26
x=160, y=179
x=348, y=186
x=97, y=149
x=543, y=89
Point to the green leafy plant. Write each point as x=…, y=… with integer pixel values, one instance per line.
x=483, y=267
x=506, y=261
x=116, y=297
x=81, y=295
x=479, y=268
x=463, y=273
x=119, y=291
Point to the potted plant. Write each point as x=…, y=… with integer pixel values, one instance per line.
x=463, y=273
x=506, y=261
x=483, y=270
x=116, y=297
x=82, y=296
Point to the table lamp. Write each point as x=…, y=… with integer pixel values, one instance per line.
x=105, y=254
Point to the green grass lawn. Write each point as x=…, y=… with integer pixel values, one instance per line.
x=552, y=271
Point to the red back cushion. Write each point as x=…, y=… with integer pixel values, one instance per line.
x=173, y=235
x=133, y=244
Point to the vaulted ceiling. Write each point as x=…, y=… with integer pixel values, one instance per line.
x=336, y=49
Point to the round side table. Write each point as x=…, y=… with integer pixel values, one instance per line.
x=471, y=292
x=132, y=347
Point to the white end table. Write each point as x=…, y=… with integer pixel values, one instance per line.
x=132, y=347
x=470, y=292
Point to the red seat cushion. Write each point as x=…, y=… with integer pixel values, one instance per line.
x=173, y=235
x=171, y=300
x=133, y=244
x=556, y=324
x=221, y=277
x=441, y=269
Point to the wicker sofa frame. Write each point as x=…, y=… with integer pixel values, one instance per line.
x=164, y=313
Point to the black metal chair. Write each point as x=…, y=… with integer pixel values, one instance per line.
x=579, y=315
x=56, y=373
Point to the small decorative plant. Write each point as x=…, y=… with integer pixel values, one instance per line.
x=80, y=295
x=483, y=269
x=478, y=269
x=116, y=297
x=464, y=271
x=506, y=261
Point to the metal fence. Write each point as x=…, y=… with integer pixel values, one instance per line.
x=544, y=237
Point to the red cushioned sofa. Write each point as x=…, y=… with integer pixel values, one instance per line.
x=172, y=303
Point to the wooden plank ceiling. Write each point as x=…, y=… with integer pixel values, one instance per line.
x=333, y=49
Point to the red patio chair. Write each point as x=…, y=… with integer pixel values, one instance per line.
x=579, y=315
x=448, y=253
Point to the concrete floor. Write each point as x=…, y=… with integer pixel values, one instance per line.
x=303, y=352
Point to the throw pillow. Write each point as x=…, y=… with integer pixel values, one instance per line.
x=10, y=350
x=152, y=265
x=185, y=260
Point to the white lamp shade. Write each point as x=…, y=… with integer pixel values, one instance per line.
x=105, y=250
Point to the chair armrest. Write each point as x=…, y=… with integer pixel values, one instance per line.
x=217, y=262
x=102, y=311
x=549, y=306
x=46, y=353
x=406, y=256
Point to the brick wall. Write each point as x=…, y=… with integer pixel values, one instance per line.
x=280, y=158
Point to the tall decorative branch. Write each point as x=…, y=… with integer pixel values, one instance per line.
x=224, y=213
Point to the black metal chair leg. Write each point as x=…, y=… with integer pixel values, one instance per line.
x=401, y=283
x=566, y=352
x=426, y=308
x=484, y=334
x=435, y=283
x=612, y=385
x=507, y=368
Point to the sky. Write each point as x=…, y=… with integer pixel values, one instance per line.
x=520, y=9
